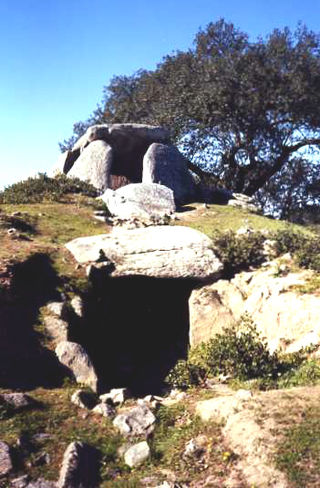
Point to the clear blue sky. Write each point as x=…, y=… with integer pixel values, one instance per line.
x=56, y=56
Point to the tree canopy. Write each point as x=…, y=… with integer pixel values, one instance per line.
x=247, y=112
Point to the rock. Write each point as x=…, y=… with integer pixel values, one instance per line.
x=17, y=401
x=159, y=252
x=117, y=396
x=104, y=409
x=243, y=201
x=137, y=421
x=20, y=482
x=137, y=454
x=151, y=401
x=79, y=467
x=94, y=165
x=164, y=164
x=75, y=358
x=77, y=306
x=83, y=399
x=41, y=483
x=141, y=200
x=287, y=319
x=218, y=409
x=5, y=459
x=211, y=308
x=244, y=395
x=196, y=447
x=129, y=143
x=57, y=329
x=58, y=308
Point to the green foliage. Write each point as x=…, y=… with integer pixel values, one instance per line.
x=240, y=109
x=42, y=188
x=299, y=452
x=240, y=351
x=239, y=252
x=185, y=375
x=305, y=248
x=306, y=373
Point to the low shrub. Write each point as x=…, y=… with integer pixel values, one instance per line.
x=185, y=375
x=304, y=248
x=239, y=252
x=241, y=352
x=42, y=187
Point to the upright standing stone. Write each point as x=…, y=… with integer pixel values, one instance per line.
x=80, y=467
x=164, y=164
x=94, y=165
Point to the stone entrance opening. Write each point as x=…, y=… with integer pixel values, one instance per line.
x=135, y=329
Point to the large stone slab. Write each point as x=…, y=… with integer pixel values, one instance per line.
x=142, y=200
x=94, y=165
x=164, y=164
x=158, y=252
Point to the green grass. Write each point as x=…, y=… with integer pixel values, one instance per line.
x=64, y=423
x=225, y=218
x=298, y=454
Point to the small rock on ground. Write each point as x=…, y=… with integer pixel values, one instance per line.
x=137, y=454
x=137, y=421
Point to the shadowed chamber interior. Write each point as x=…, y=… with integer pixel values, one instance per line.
x=24, y=362
x=135, y=329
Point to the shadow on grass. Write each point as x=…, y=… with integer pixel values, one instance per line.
x=24, y=362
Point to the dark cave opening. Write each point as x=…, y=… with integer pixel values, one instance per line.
x=135, y=329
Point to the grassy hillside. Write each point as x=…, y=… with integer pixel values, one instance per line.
x=42, y=228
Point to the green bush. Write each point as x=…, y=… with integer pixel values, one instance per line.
x=306, y=373
x=305, y=248
x=239, y=351
x=42, y=187
x=239, y=252
x=185, y=375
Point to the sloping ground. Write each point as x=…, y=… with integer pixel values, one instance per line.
x=224, y=463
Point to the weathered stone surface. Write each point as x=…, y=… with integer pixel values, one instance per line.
x=94, y=165
x=115, y=134
x=129, y=143
x=75, y=358
x=137, y=421
x=17, y=401
x=104, y=409
x=77, y=306
x=218, y=409
x=137, y=454
x=286, y=319
x=5, y=459
x=211, y=308
x=117, y=396
x=140, y=200
x=80, y=467
x=164, y=164
x=57, y=329
x=58, y=308
x=159, y=252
